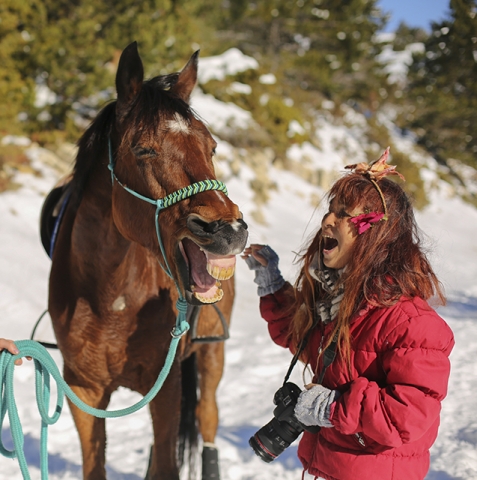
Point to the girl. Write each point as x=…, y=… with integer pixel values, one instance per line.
x=362, y=291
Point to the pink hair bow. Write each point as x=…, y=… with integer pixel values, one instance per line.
x=366, y=220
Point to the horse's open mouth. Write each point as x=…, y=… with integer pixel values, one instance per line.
x=206, y=270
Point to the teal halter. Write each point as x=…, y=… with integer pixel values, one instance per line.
x=162, y=203
x=168, y=200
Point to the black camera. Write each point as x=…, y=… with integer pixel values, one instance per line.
x=283, y=429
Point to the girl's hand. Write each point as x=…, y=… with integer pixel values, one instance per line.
x=314, y=405
x=254, y=251
x=263, y=260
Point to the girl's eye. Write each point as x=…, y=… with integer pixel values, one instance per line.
x=342, y=214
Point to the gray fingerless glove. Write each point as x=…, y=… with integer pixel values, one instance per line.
x=269, y=279
x=314, y=406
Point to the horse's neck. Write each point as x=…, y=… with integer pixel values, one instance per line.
x=100, y=252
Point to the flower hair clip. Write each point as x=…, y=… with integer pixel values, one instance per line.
x=377, y=169
x=364, y=221
x=374, y=171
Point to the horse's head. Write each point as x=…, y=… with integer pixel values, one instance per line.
x=160, y=146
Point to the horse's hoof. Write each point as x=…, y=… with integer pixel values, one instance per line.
x=210, y=463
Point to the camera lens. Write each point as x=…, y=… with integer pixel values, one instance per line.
x=272, y=439
x=283, y=429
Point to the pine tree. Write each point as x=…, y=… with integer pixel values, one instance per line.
x=443, y=88
x=321, y=46
x=16, y=91
x=70, y=49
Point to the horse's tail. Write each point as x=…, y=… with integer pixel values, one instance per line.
x=188, y=430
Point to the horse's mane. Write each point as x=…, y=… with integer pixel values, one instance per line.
x=154, y=102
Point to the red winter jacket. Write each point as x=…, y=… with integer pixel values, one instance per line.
x=387, y=416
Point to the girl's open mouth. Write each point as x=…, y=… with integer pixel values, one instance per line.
x=329, y=243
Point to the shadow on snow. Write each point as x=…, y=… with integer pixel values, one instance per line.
x=239, y=435
x=460, y=306
x=56, y=463
x=439, y=475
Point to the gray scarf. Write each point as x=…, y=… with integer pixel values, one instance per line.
x=327, y=277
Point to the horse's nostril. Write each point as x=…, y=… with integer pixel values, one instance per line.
x=199, y=227
x=212, y=227
x=202, y=228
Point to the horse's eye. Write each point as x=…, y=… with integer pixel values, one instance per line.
x=140, y=151
x=213, y=152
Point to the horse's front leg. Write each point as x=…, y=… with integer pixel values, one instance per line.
x=165, y=411
x=91, y=430
x=210, y=364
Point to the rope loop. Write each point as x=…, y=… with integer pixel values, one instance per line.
x=181, y=305
x=182, y=325
x=45, y=367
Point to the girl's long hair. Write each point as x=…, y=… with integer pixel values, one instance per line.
x=387, y=262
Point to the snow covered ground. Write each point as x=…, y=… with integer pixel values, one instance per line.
x=255, y=367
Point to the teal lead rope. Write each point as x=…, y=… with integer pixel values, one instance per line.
x=45, y=366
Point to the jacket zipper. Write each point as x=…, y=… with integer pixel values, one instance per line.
x=360, y=440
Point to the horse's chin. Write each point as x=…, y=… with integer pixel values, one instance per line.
x=202, y=271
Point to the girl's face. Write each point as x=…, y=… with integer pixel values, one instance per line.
x=339, y=235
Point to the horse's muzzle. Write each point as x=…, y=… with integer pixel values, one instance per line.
x=219, y=237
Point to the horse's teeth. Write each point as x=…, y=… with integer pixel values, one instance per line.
x=220, y=273
x=216, y=298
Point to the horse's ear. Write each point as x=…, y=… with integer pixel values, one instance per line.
x=187, y=79
x=129, y=78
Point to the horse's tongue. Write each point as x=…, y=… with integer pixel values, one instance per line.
x=212, y=296
x=205, y=292
x=202, y=280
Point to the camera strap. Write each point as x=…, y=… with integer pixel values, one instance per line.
x=328, y=355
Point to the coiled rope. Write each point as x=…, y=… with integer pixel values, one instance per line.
x=45, y=367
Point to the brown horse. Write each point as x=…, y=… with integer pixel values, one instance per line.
x=111, y=299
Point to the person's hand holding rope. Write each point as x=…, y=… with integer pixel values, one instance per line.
x=12, y=348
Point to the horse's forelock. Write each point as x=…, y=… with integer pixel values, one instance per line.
x=154, y=108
